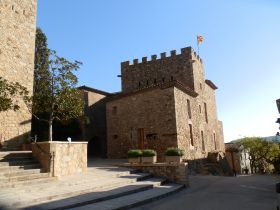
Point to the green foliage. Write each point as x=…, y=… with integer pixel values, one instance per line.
x=149, y=153
x=10, y=92
x=55, y=93
x=173, y=151
x=261, y=152
x=134, y=153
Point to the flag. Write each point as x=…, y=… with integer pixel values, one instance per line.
x=199, y=39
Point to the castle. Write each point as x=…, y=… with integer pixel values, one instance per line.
x=17, y=46
x=164, y=103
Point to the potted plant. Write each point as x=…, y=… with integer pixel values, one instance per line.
x=134, y=156
x=149, y=156
x=174, y=155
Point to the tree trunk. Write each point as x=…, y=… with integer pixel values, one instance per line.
x=50, y=129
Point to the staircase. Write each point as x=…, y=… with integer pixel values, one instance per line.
x=214, y=164
x=18, y=168
x=102, y=187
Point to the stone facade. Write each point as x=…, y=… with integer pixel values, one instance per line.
x=94, y=131
x=164, y=102
x=61, y=158
x=17, y=45
x=172, y=172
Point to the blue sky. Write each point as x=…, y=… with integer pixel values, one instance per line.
x=241, y=48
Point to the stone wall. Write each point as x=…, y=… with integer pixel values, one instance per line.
x=207, y=134
x=151, y=110
x=95, y=130
x=146, y=73
x=17, y=44
x=172, y=172
x=61, y=158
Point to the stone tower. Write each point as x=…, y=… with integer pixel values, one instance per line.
x=165, y=102
x=17, y=45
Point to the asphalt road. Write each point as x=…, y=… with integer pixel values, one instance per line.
x=253, y=192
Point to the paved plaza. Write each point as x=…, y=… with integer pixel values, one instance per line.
x=255, y=192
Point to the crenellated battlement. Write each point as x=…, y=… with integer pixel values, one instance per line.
x=187, y=51
x=146, y=73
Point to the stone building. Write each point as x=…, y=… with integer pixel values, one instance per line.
x=94, y=128
x=17, y=45
x=164, y=103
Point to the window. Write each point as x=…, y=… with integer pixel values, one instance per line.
x=139, y=84
x=147, y=83
x=163, y=79
x=214, y=139
x=189, y=108
x=199, y=109
x=155, y=81
x=205, y=112
x=200, y=85
x=202, y=141
x=115, y=110
x=172, y=78
x=191, y=134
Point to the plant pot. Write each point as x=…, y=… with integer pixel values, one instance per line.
x=149, y=159
x=26, y=147
x=173, y=159
x=136, y=160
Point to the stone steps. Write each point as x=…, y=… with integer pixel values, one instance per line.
x=134, y=199
x=12, y=154
x=89, y=195
x=18, y=168
x=20, y=172
x=24, y=183
x=25, y=177
x=23, y=162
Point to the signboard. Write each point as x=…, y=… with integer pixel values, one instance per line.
x=278, y=104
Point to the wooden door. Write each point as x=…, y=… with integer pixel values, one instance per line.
x=140, y=138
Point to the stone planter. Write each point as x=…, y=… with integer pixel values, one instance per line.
x=136, y=160
x=149, y=159
x=173, y=159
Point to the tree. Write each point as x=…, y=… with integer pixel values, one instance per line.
x=9, y=93
x=261, y=152
x=55, y=94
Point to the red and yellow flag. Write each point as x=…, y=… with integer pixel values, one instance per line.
x=199, y=39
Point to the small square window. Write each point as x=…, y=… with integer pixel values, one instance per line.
x=115, y=110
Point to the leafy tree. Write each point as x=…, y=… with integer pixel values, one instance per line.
x=261, y=152
x=9, y=93
x=55, y=94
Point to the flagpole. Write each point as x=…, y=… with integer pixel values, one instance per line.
x=197, y=42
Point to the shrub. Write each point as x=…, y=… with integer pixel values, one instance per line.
x=149, y=153
x=172, y=151
x=134, y=153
